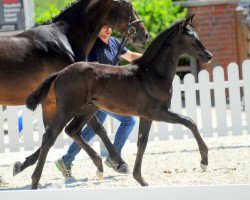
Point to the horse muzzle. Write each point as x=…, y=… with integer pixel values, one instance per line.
x=209, y=57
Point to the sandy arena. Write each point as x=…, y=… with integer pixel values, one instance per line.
x=174, y=162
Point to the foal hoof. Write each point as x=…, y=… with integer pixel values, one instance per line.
x=99, y=175
x=144, y=183
x=203, y=167
x=17, y=168
x=3, y=182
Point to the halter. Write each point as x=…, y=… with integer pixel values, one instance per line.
x=131, y=30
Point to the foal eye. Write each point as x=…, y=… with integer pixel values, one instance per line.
x=190, y=35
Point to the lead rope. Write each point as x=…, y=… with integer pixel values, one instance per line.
x=123, y=44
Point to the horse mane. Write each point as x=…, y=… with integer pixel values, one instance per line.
x=156, y=44
x=64, y=13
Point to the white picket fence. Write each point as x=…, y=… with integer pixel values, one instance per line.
x=227, y=116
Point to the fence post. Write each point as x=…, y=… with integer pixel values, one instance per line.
x=220, y=101
x=1, y=131
x=13, y=133
x=234, y=97
x=190, y=98
x=205, y=104
x=246, y=78
x=28, y=129
x=176, y=106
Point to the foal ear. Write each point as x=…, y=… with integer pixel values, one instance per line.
x=188, y=21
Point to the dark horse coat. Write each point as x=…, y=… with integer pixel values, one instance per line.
x=27, y=58
x=143, y=88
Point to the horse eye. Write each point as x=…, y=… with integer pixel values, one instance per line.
x=190, y=35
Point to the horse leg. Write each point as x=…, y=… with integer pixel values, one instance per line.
x=48, y=108
x=101, y=132
x=94, y=123
x=174, y=118
x=49, y=138
x=30, y=160
x=73, y=130
x=144, y=128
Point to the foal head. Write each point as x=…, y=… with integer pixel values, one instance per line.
x=190, y=42
x=124, y=18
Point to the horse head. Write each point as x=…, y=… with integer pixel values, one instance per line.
x=190, y=42
x=123, y=17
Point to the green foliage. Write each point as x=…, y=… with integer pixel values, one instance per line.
x=158, y=14
x=47, y=9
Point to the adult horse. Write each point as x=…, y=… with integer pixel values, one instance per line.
x=142, y=89
x=27, y=58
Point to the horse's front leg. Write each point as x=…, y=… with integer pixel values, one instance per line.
x=96, y=125
x=74, y=131
x=48, y=108
x=170, y=117
x=144, y=128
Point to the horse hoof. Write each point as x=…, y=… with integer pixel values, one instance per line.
x=99, y=174
x=144, y=183
x=17, y=168
x=3, y=182
x=203, y=167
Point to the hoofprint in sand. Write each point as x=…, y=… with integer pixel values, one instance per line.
x=173, y=162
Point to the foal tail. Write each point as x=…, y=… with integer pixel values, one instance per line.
x=40, y=93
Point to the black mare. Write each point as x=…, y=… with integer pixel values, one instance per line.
x=27, y=58
x=142, y=89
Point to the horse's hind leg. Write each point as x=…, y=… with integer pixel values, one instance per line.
x=144, y=128
x=74, y=131
x=174, y=118
x=49, y=138
x=48, y=108
x=30, y=160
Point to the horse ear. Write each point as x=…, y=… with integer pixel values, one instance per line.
x=188, y=21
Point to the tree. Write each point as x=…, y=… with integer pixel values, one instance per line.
x=158, y=14
x=47, y=9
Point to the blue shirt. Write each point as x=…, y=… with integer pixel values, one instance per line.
x=105, y=53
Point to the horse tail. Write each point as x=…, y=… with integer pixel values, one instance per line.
x=40, y=93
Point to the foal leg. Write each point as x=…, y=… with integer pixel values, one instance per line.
x=174, y=118
x=74, y=131
x=95, y=124
x=30, y=160
x=144, y=128
x=49, y=138
x=48, y=108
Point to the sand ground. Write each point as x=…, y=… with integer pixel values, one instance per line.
x=173, y=162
